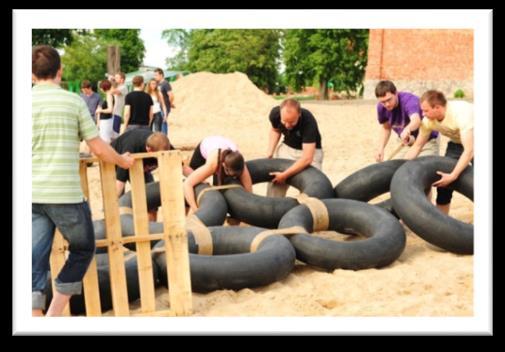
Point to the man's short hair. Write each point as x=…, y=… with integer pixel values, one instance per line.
x=434, y=97
x=137, y=81
x=160, y=71
x=384, y=87
x=86, y=84
x=45, y=62
x=293, y=103
x=158, y=141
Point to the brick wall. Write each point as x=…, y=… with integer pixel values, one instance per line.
x=421, y=59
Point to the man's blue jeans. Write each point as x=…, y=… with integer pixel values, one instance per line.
x=74, y=223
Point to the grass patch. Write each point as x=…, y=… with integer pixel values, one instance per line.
x=296, y=97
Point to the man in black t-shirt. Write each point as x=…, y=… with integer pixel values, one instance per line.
x=302, y=142
x=138, y=109
x=139, y=141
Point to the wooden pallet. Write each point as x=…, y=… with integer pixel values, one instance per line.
x=174, y=235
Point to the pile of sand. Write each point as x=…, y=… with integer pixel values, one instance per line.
x=209, y=104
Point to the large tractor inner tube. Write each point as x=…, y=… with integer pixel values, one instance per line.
x=370, y=182
x=77, y=302
x=267, y=211
x=408, y=194
x=212, y=209
x=232, y=265
x=385, y=240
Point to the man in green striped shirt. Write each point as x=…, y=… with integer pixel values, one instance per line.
x=60, y=119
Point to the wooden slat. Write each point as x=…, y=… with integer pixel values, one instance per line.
x=176, y=244
x=90, y=280
x=113, y=232
x=91, y=291
x=141, y=228
x=57, y=260
x=139, y=156
x=132, y=239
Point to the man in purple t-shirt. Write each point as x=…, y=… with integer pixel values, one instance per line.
x=401, y=112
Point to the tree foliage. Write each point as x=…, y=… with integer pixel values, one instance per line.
x=85, y=52
x=254, y=52
x=85, y=58
x=338, y=56
x=56, y=38
x=177, y=38
x=131, y=46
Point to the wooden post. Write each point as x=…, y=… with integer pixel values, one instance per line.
x=176, y=243
x=113, y=232
x=113, y=60
x=141, y=228
x=90, y=280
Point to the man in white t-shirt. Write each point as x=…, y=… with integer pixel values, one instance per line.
x=453, y=119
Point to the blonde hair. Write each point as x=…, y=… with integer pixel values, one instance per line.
x=148, y=89
x=158, y=141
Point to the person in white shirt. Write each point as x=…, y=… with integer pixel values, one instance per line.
x=453, y=119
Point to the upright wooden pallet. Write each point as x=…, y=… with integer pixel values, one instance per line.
x=174, y=235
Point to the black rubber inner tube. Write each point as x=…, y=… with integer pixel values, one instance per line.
x=385, y=240
x=232, y=266
x=370, y=182
x=211, y=211
x=408, y=195
x=267, y=211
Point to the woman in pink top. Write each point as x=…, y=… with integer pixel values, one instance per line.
x=216, y=156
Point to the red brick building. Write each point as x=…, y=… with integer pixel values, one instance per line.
x=420, y=59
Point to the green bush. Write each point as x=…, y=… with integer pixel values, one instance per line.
x=459, y=93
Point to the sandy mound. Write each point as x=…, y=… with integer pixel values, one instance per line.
x=209, y=104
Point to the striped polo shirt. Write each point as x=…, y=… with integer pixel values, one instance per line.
x=60, y=119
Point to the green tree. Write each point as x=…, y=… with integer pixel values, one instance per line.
x=56, y=38
x=254, y=52
x=338, y=56
x=177, y=38
x=131, y=46
x=85, y=58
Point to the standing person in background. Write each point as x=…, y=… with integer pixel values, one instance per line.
x=60, y=119
x=119, y=93
x=138, y=111
x=167, y=94
x=158, y=105
x=104, y=113
x=91, y=98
